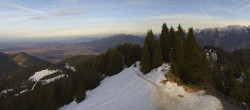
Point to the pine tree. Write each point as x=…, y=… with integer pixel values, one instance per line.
x=147, y=52
x=163, y=42
x=50, y=102
x=145, y=60
x=175, y=48
x=157, y=55
x=80, y=93
x=171, y=38
x=191, y=57
x=115, y=62
x=181, y=33
x=177, y=59
x=196, y=65
x=151, y=53
x=66, y=91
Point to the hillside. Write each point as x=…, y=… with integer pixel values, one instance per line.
x=243, y=55
x=230, y=38
x=76, y=60
x=21, y=67
x=24, y=59
x=6, y=64
x=113, y=41
x=130, y=89
x=172, y=70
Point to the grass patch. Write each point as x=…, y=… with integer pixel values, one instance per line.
x=172, y=78
x=191, y=88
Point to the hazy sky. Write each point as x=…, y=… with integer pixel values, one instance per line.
x=58, y=18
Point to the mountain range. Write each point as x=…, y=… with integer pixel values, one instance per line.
x=106, y=43
x=230, y=38
x=21, y=73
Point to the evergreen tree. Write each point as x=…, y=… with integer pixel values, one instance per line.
x=145, y=60
x=196, y=64
x=181, y=33
x=157, y=55
x=50, y=102
x=191, y=49
x=66, y=91
x=177, y=53
x=163, y=42
x=80, y=93
x=171, y=38
x=151, y=53
x=115, y=62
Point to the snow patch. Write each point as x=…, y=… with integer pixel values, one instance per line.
x=40, y=74
x=131, y=90
x=124, y=91
x=212, y=54
x=47, y=81
x=21, y=92
x=171, y=96
x=6, y=91
x=21, y=64
x=67, y=66
x=241, y=78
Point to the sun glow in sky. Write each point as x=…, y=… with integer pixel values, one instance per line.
x=74, y=18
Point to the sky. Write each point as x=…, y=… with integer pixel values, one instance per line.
x=45, y=19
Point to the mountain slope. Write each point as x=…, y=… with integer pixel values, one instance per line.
x=76, y=60
x=6, y=65
x=24, y=59
x=113, y=41
x=243, y=55
x=130, y=90
x=230, y=38
x=18, y=77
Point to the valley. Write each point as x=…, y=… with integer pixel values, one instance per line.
x=52, y=52
x=121, y=72
x=58, y=51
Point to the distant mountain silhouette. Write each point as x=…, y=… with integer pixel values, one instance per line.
x=230, y=38
x=113, y=41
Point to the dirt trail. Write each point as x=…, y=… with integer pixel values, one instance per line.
x=164, y=100
x=159, y=95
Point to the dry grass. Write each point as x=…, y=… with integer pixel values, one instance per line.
x=21, y=58
x=172, y=78
x=191, y=88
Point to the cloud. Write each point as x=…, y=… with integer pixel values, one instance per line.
x=68, y=11
x=68, y=1
x=184, y=17
x=204, y=12
x=24, y=8
x=63, y=12
x=239, y=3
x=136, y=2
x=245, y=7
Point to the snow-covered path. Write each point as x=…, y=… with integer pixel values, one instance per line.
x=124, y=91
x=170, y=96
x=131, y=90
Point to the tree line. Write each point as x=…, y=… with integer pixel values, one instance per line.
x=73, y=88
x=187, y=59
x=191, y=62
